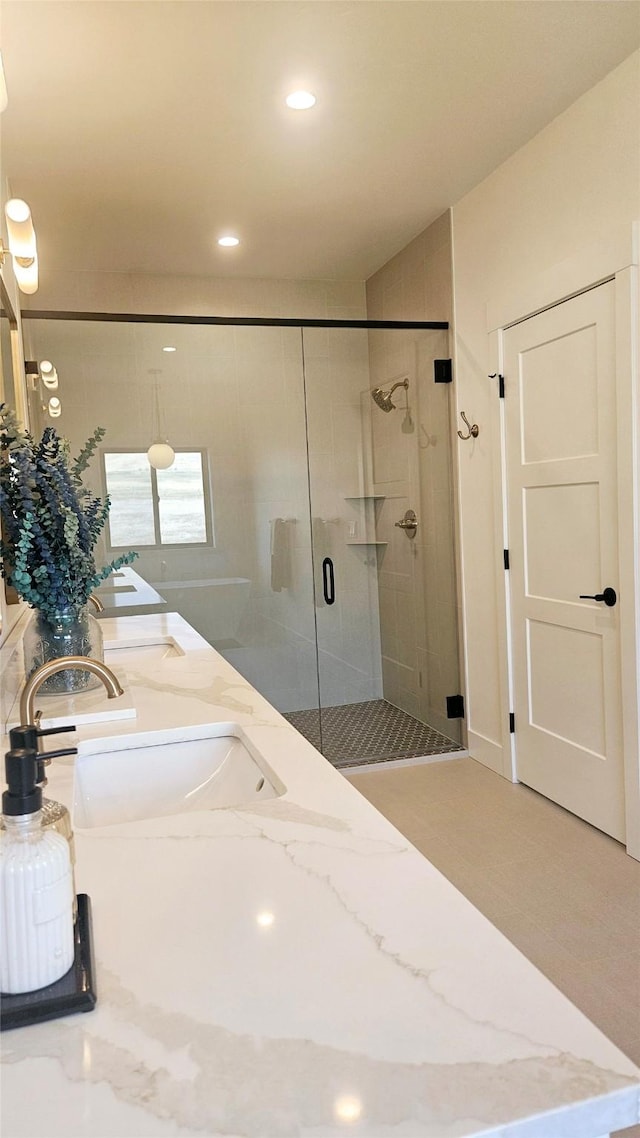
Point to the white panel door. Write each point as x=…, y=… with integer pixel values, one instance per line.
x=560, y=407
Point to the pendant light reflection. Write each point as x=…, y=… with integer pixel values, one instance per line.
x=54, y=408
x=160, y=455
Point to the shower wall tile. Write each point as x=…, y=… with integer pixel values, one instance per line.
x=389, y=641
x=406, y=616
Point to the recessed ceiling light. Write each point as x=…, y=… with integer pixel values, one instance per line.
x=265, y=919
x=169, y=349
x=348, y=1108
x=300, y=100
x=228, y=241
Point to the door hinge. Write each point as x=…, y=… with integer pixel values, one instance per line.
x=500, y=378
x=505, y=555
x=512, y=723
x=455, y=707
x=442, y=371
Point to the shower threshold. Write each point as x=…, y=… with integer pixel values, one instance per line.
x=370, y=732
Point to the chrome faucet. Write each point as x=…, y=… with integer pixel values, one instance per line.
x=61, y=664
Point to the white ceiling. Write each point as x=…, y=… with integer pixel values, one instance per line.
x=139, y=130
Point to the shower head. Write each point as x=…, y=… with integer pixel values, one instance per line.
x=383, y=398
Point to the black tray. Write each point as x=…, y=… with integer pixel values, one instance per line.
x=73, y=992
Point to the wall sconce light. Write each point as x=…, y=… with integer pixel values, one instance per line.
x=49, y=375
x=54, y=407
x=22, y=245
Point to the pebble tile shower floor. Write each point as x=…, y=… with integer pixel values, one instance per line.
x=370, y=732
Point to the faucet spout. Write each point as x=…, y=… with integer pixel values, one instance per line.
x=62, y=663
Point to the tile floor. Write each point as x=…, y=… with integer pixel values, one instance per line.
x=373, y=731
x=564, y=893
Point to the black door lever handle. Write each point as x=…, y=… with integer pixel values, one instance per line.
x=609, y=597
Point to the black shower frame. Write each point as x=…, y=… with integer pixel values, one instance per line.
x=250, y=321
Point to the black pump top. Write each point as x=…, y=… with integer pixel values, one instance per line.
x=23, y=795
x=25, y=738
x=24, y=767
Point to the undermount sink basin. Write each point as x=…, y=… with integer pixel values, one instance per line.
x=156, y=780
x=141, y=650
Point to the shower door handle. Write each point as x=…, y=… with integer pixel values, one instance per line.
x=328, y=581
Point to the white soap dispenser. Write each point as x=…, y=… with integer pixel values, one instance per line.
x=55, y=816
x=36, y=890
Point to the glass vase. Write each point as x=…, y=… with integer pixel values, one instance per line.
x=72, y=632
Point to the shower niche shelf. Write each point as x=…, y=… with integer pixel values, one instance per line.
x=367, y=543
x=368, y=518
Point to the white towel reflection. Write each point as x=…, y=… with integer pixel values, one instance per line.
x=280, y=554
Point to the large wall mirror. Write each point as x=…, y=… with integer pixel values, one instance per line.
x=12, y=392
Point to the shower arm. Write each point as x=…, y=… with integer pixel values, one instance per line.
x=401, y=383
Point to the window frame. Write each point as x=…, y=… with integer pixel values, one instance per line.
x=209, y=543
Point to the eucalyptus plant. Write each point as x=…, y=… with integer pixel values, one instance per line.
x=51, y=522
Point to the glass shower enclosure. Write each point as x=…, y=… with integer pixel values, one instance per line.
x=279, y=532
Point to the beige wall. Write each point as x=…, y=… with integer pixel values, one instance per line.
x=62, y=291
x=570, y=187
x=412, y=468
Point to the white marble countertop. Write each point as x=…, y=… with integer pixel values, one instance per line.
x=127, y=589
x=372, y=1000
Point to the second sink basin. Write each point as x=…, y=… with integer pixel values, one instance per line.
x=152, y=781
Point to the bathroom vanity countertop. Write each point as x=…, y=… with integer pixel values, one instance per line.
x=126, y=589
x=293, y=969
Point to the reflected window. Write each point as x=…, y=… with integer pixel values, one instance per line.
x=157, y=507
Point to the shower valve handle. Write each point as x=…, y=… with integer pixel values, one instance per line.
x=409, y=523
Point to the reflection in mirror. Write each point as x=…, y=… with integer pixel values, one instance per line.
x=9, y=393
x=7, y=381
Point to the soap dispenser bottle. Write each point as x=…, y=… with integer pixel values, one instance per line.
x=55, y=815
x=36, y=885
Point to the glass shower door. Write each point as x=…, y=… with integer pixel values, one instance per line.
x=262, y=517
x=386, y=601
x=231, y=400
x=343, y=523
